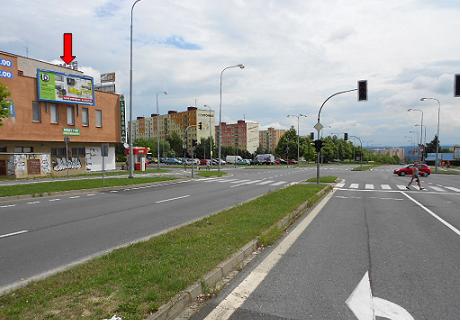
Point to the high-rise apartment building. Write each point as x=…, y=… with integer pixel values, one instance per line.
x=269, y=138
x=241, y=135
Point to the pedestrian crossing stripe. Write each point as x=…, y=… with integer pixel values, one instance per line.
x=385, y=186
x=354, y=185
x=265, y=182
x=438, y=189
x=402, y=187
x=370, y=186
x=452, y=188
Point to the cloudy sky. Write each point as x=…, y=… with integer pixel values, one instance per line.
x=296, y=53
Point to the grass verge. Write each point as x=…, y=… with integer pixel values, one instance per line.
x=134, y=281
x=40, y=189
x=322, y=179
x=445, y=171
x=365, y=167
x=211, y=173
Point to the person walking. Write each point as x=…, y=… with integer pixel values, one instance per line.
x=415, y=176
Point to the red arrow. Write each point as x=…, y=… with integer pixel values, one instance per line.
x=67, y=48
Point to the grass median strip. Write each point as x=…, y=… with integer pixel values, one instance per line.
x=322, y=179
x=134, y=281
x=39, y=189
x=212, y=173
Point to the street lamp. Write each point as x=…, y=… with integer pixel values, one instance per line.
x=421, y=125
x=437, y=130
x=158, y=125
x=130, y=139
x=298, y=135
x=219, y=123
x=210, y=127
x=425, y=133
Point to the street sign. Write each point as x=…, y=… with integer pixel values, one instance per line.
x=109, y=77
x=71, y=132
x=318, y=127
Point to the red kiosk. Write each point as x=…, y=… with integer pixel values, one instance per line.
x=139, y=157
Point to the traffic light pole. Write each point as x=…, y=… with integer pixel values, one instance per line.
x=318, y=152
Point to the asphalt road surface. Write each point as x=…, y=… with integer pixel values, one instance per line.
x=375, y=250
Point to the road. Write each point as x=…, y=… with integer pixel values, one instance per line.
x=373, y=250
x=44, y=234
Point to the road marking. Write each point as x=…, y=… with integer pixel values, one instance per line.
x=54, y=200
x=114, y=191
x=403, y=187
x=77, y=196
x=370, y=186
x=393, y=191
x=433, y=214
x=34, y=202
x=387, y=198
x=385, y=186
x=354, y=185
x=237, y=297
x=278, y=183
x=172, y=199
x=241, y=181
x=14, y=233
x=453, y=188
x=91, y=194
x=246, y=183
x=229, y=180
x=265, y=182
x=438, y=189
x=10, y=205
x=367, y=307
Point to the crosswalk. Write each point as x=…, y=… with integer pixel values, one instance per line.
x=235, y=182
x=399, y=187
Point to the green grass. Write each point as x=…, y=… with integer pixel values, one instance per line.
x=322, y=179
x=365, y=167
x=211, y=173
x=134, y=281
x=39, y=189
x=445, y=171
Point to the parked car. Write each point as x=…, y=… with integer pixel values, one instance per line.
x=265, y=159
x=215, y=161
x=424, y=170
x=280, y=161
x=231, y=159
x=292, y=162
x=171, y=161
x=243, y=162
x=205, y=162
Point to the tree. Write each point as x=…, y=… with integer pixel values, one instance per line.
x=202, y=150
x=431, y=146
x=287, y=145
x=176, y=143
x=4, y=102
x=164, y=146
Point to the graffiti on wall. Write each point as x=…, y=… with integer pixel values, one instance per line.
x=63, y=163
x=45, y=164
x=92, y=154
x=20, y=165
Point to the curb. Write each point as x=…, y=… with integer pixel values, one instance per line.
x=6, y=199
x=184, y=299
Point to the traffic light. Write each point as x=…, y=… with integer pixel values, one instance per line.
x=318, y=144
x=345, y=136
x=199, y=125
x=194, y=142
x=457, y=85
x=312, y=136
x=362, y=90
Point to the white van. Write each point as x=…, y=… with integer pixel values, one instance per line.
x=233, y=159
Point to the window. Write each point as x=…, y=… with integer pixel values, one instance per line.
x=22, y=149
x=99, y=118
x=84, y=116
x=58, y=152
x=70, y=115
x=53, y=113
x=2, y=149
x=36, y=112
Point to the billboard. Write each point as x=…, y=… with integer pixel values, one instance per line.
x=109, y=77
x=63, y=88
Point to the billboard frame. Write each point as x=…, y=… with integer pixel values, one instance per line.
x=66, y=75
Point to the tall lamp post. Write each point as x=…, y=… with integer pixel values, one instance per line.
x=158, y=125
x=437, y=130
x=130, y=139
x=298, y=135
x=421, y=127
x=219, y=122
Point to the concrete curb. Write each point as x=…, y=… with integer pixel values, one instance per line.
x=184, y=299
x=7, y=199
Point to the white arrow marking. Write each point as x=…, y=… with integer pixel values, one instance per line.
x=366, y=307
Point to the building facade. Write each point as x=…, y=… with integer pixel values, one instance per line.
x=269, y=139
x=33, y=137
x=241, y=135
x=177, y=122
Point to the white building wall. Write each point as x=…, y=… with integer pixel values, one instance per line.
x=94, y=159
x=253, y=137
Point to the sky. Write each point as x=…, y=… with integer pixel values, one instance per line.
x=296, y=54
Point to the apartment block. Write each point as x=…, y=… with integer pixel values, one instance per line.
x=269, y=138
x=242, y=135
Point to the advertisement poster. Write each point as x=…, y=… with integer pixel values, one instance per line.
x=62, y=88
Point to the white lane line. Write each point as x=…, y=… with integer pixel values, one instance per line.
x=77, y=196
x=14, y=233
x=10, y=205
x=265, y=182
x=433, y=214
x=241, y=181
x=246, y=183
x=172, y=199
x=453, y=188
x=438, y=189
x=91, y=194
x=114, y=191
x=369, y=186
x=402, y=187
x=388, y=198
x=354, y=185
x=54, y=200
x=278, y=183
x=385, y=186
x=238, y=296
x=229, y=180
x=34, y=202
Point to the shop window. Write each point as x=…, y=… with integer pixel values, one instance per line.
x=36, y=112
x=22, y=149
x=54, y=118
x=2, y=149
x=58, y=151
x=70, y=115
x=85, y=116
x=78, y=152
x=99, y=118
